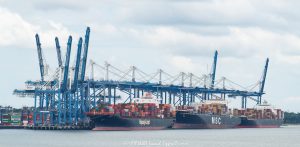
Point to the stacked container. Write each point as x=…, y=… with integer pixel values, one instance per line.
x=15, y=119
x=6, y=119
x=252, y=113
x=137, y=110
x=213, y=108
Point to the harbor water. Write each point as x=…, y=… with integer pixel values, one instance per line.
x=286, y=136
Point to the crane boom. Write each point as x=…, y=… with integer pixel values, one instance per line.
x=67, y=62
x=214, y=68
x=74, y=87
x=40, y=56
x=264, y=77
x=58, y=52
x=85, y=53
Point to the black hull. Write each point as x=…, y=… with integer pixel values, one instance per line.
x=116, y=123
x=186, y=120
x=260, y=123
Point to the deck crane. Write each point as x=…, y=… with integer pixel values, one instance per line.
x=58, y=52
x=40, y=55
x=263, y=80
x=75, y=84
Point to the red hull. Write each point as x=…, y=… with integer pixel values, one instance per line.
x=126, y=128
x=199, y=126
x=260, y=126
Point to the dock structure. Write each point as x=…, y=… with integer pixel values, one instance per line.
x=62, y=98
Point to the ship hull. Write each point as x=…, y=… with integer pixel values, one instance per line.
x=205, y=121
x=117, y=123
x=260, y=123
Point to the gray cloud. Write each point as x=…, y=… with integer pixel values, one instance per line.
x=49, y=6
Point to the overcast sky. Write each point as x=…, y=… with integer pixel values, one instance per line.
x=175, y=35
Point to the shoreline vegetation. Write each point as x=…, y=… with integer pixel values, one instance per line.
x=291, y=118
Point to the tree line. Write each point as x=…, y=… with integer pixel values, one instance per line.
x=291, y=118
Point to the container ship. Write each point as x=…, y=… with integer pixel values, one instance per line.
x=261, y=116
x=211, y=114
x=145, y=113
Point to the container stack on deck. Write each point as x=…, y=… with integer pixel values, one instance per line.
x=6, y=120
x=214, y=108
x=252, y=113
x=135, y=110
x=16, y=117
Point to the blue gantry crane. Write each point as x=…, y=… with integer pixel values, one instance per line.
x=64, y=88
x=83, y=90
x=74, y=93
x=261, y=88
